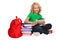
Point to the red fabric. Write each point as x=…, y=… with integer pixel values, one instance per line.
x=15, y=28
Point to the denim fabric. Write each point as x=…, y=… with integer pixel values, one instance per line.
x=41, y=29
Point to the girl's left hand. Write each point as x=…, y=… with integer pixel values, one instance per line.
x=43, y=23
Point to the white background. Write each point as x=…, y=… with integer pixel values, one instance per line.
x=11, y=8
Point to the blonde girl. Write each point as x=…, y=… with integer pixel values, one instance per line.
x=35, y=14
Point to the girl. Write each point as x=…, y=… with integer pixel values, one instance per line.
x=33, y=16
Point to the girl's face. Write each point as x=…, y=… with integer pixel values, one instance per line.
x=36, y=9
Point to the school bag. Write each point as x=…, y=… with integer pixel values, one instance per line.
x=15, y=28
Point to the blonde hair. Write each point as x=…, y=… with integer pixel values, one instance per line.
x=32, y=7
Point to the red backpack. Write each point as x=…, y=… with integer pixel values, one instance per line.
x=15, y=28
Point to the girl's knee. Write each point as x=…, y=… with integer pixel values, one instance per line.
x=49, y=25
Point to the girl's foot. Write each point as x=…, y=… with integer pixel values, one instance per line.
x=36, y=33
x=50, y=31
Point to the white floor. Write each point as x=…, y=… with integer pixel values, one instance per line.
x=11, y=8
x=33, y=37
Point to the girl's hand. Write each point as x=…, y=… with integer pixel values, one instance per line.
x=34, y=23
x=43, y=23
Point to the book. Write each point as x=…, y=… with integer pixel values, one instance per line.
x=26, y=29
x=27, y=24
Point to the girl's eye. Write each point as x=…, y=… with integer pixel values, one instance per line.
x=35, y=8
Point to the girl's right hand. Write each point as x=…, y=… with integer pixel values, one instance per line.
x=33, y=23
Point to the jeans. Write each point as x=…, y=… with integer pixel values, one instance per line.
x=41, y=29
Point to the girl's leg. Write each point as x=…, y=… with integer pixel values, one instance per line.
x=37, y=28
x=46, y=28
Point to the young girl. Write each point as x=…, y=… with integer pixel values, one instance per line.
x=33, y=16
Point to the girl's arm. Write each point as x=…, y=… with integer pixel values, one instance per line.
x=27, y=21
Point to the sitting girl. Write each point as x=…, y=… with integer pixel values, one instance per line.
x=35, y=15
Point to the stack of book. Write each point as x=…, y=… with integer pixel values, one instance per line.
x=26, y=29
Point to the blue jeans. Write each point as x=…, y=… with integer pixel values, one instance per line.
x=41, y=29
